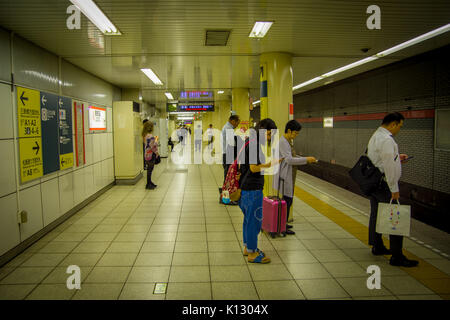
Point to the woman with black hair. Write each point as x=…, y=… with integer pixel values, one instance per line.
x=252, y=184
x=287, y=183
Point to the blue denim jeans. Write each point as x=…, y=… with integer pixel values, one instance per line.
x=251, y=205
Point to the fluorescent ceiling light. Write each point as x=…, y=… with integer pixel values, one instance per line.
x=149, y=73
x=96, y=16
x=306, y=83
x=185, y=118
x=220, y=92
x=256, y=102
x=260, y=29
x=169, y=95
x=418, y=39
x=384, y=53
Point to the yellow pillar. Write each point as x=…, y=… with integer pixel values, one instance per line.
x=240, y=104
x=276, y=81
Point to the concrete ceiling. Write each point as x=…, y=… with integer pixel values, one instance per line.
x=169, y=37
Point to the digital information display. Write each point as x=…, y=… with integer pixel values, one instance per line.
x=195, y=107
x=195, y=94
x=97, y=118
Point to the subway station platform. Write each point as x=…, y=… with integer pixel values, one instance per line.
x=130, y=239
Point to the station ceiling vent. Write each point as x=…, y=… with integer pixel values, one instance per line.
x=217, y=37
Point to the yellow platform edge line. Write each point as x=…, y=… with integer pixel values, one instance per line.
x=344, y=221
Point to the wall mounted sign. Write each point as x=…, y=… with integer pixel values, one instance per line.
x=30, y=141
x=49, y=124
x=65, y=133
x=97, y=118
x=328, y=122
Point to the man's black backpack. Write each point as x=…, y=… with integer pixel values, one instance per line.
x=366, y=175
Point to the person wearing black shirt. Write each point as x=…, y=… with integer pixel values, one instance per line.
x=251, y=182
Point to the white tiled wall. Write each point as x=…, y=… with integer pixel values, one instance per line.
x=7, y=170
x=66, y=192
x=51, y=196
x=9, y=229
x=6, y=120
x=50, y=203
x=30, y=201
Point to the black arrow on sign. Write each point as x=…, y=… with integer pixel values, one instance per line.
x=23, y=98
x=36, y=148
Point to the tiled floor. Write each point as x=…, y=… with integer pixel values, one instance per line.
x=130, y=238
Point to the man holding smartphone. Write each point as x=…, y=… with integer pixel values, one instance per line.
x=382, y=150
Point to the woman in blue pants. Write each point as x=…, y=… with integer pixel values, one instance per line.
x=252, y=185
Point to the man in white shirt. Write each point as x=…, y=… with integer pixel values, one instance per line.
x=229, y=146
x=210, y=134
x=382, y=150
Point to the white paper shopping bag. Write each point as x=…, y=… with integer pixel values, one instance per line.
x=393, y=218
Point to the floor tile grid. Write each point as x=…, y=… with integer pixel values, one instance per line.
x=57, y=265
x=138, y=186
x=292, y=275
x=433, y=284
x=249, y=264
x=140, y=249
x=285, y=266
x=218, y=175
x=433, y=278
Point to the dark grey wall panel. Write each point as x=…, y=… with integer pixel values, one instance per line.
x=5, y=56
x=421, y=82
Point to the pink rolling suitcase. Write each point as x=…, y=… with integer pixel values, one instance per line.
x=274, y=215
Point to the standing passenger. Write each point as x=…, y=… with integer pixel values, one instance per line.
x=287, y=182
x=383, y=152
x=151, y=151
x=228, y=147
x=252, y=184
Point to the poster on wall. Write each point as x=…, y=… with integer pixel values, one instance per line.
x=97, y=118
x=65, y=133
x=30, y=141
x=49, y=125
x=78, y=111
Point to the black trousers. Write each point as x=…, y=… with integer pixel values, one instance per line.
x=382, y=194
x=150, y=166
x=288, y=205
x=225, y=166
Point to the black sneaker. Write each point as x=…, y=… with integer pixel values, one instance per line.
x=288, y=226
x=403, y=262
x=380, y=251
x=289, y=232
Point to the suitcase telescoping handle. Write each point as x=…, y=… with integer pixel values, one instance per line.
x=279, y=180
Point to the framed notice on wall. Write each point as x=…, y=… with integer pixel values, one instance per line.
x=97, y=118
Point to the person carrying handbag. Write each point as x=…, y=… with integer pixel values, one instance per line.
x=382, y=150
x=151, y=154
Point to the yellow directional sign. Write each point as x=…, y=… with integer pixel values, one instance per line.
x=66, y=161
x=30, y=141
x=31, y=165
x=28, y=112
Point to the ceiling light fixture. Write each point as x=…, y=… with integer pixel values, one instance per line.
x=169, y=95
x=220, y=92
x=149, y=73
x=96, y=16
x=384, y=53
x=256, y=102
x=260, y=29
